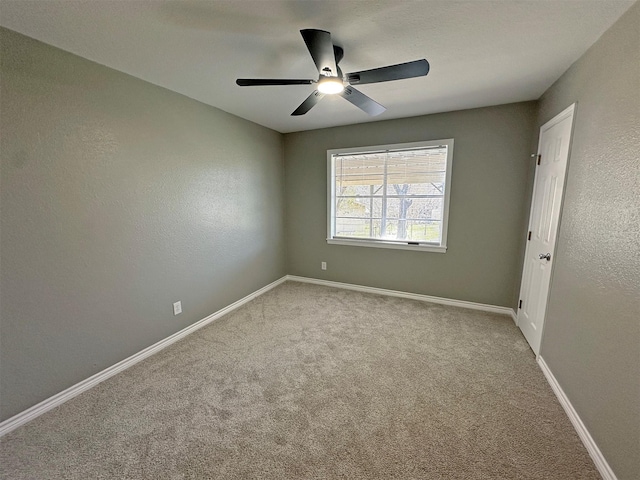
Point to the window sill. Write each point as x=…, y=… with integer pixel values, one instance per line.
x=392, y=245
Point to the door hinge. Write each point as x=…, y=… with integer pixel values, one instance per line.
x=539, y=158
x=520, y=304
x=529, y=236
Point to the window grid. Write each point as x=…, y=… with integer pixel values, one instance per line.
x=362, y=170
x=391, y=195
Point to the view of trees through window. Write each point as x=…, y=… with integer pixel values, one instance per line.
x=391, y=195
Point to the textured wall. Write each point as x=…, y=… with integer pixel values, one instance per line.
x=488, y=196
x=591, y=336
x=119, y=198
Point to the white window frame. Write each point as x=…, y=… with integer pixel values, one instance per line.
x=361, y=242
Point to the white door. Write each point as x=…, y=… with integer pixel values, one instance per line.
x=553, y=153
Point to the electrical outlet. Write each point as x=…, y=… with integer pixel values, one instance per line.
x=177, y=308
x=323, y=265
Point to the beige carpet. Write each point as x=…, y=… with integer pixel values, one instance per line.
x=315, y=382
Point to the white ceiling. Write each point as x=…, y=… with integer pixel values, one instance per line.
x=481, y=52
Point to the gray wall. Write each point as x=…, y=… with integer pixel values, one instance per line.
x=591, y=336
x=489, y=190
x=119, y=198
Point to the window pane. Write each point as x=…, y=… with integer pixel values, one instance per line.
x=391, y=230
x=353, y=207
x=435, y=188
x=419, y=231
x=377, y=207
x=353, y=227
x=359, y=170
x=426, y=208
x=392, y=208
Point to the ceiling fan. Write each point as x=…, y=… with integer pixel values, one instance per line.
x=331, y=81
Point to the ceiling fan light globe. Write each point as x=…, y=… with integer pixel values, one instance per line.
x=330, y=85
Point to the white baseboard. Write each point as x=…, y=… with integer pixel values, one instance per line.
x=413, y=296
x=591, y=446
x=514, y=315
x=59, y=398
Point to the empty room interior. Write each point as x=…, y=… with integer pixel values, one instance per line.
x=320, y=239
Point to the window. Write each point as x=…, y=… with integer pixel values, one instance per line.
x=391, y=196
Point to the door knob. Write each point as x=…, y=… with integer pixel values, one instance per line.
x=547, y=256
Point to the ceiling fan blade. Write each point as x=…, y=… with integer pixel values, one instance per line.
x=413, y=69
x=253, y=82
x=308, y=104
x=320, y=47
x=361, y=101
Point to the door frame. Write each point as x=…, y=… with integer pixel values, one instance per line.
x=570, y=111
